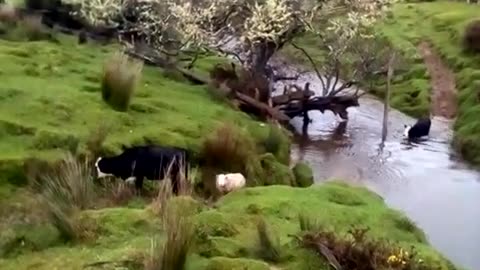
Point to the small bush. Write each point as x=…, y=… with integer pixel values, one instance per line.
x=303, y=175
x=277, y=143
x=267, y=249
x=173, y=253
x=121, y=75
x=357, y=251
x=65, y=190
x=471, y=37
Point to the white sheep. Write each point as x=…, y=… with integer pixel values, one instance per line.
x=229, y=182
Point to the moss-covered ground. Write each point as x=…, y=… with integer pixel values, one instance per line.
x=225, y=235
x=442, y=24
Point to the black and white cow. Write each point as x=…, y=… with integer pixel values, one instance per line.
x=420, y=129
x=151, y=161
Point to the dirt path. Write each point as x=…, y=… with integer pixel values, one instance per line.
x=444, y=93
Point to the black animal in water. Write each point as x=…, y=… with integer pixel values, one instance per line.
x=420, y=129
x=151, y=161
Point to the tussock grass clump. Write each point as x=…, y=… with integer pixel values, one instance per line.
x=471, y=37
x=172, y=254
x=231, y=150
x=120, y=77
x=96, y=139
x=228, y=148
x=65, y=190
x=268, y=248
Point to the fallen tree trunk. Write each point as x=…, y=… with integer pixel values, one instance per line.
x=272, y=112
x=249, y=101
x=337, y=104
x=294, y=96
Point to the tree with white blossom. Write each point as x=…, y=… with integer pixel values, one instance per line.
x=260, y=27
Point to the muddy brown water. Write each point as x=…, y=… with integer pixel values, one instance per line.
x=425, y=180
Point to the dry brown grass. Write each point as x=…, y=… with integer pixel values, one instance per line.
x=165, y=189
x=120, y=77
x=358, y=251
x=228, y=149
x=178, y=226
x=117, y=193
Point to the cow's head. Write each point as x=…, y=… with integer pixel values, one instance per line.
x=102, y=169
x=406, y=130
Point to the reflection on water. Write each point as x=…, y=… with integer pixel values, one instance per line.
x=424, y=179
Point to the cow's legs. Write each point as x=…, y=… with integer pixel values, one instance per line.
x=139, y=184
x=175, y=183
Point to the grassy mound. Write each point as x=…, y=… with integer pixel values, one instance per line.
x=226, y=236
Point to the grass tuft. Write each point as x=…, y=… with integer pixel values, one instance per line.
x=172, y=254
x=121, y=75
x=228, y=148
x=96, y=139
x=66, y=190
x=268, y=249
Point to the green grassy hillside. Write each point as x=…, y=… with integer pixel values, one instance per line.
x=226, y=236
x=50, y=100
